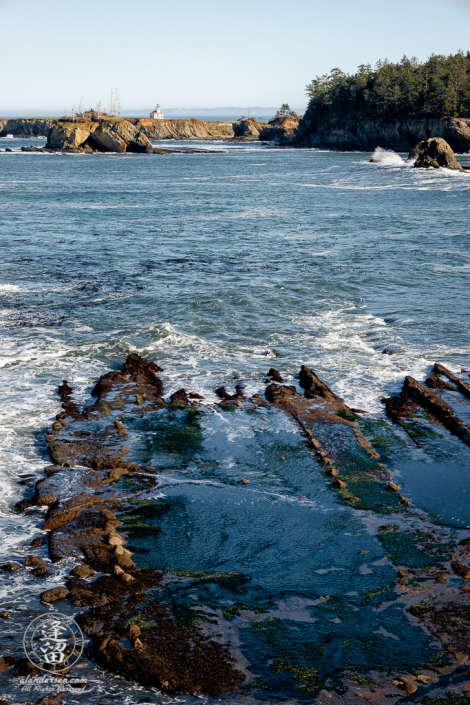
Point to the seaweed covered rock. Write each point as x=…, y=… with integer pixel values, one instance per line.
x=160, y=653
x=435, y=153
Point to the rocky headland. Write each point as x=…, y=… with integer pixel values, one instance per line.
x=365, y=133
x=112, y=134
x=26, y=127
x=334, y=132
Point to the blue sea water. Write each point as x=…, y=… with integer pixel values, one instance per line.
x=219, y=266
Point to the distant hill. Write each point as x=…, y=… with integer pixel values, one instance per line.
x=228, y=113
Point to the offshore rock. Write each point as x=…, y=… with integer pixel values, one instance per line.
x=110, y=135
x=10, y=567
x=181, y=397
x=41, y=571
x=32, y=561
x=248, y=129
x=435, y=153
x=65, y=135
x=6, y=663
x=82, y=571
x=283, y=129
x=120, y=136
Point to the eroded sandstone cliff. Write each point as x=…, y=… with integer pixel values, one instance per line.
x=110, y=135
x=71, y=135
x=192, y=129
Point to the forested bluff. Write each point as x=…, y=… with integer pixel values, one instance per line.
x=393, y=105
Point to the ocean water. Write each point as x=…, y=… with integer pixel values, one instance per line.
x=219, y=266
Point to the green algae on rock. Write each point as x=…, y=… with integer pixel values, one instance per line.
x=274, y=584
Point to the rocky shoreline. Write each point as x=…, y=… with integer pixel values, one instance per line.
x=338, y=132
x=329, y=132
x=71, y=135
x=95, y=498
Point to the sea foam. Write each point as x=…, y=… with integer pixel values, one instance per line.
x=387, y=157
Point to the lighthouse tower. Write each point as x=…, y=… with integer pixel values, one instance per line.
x=157, y=114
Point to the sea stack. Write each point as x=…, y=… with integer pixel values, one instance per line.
x=434, y=153
x=109, y=135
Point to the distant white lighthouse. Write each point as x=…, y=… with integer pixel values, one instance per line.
x=157, y=114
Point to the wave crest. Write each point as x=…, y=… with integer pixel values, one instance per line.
x=387, y=157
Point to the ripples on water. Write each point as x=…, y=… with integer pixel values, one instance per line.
x=217, y=265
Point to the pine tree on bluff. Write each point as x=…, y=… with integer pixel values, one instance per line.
x=438, y=87
x=285, y=110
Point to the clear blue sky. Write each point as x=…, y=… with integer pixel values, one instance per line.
x=206, y=53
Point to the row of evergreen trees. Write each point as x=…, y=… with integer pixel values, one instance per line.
x=439, y=86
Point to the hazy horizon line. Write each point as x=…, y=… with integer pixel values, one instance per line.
x=53, y=112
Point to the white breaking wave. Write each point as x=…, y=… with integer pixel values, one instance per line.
x=387, y=157
x=10, y=287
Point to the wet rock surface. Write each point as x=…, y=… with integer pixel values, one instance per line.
x=185, y=615
x=415, y=395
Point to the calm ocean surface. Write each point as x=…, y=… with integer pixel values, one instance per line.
x=216, y=265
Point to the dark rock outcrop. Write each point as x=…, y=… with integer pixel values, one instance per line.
x=181, y=397
x=275, y=375
x=27, y=127
x=223, y=394
x=433, y=154
x=337, y=132
x=414, y=395
x=435, y=381
x=315, y=388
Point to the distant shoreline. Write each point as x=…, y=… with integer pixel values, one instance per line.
x=333, y=132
